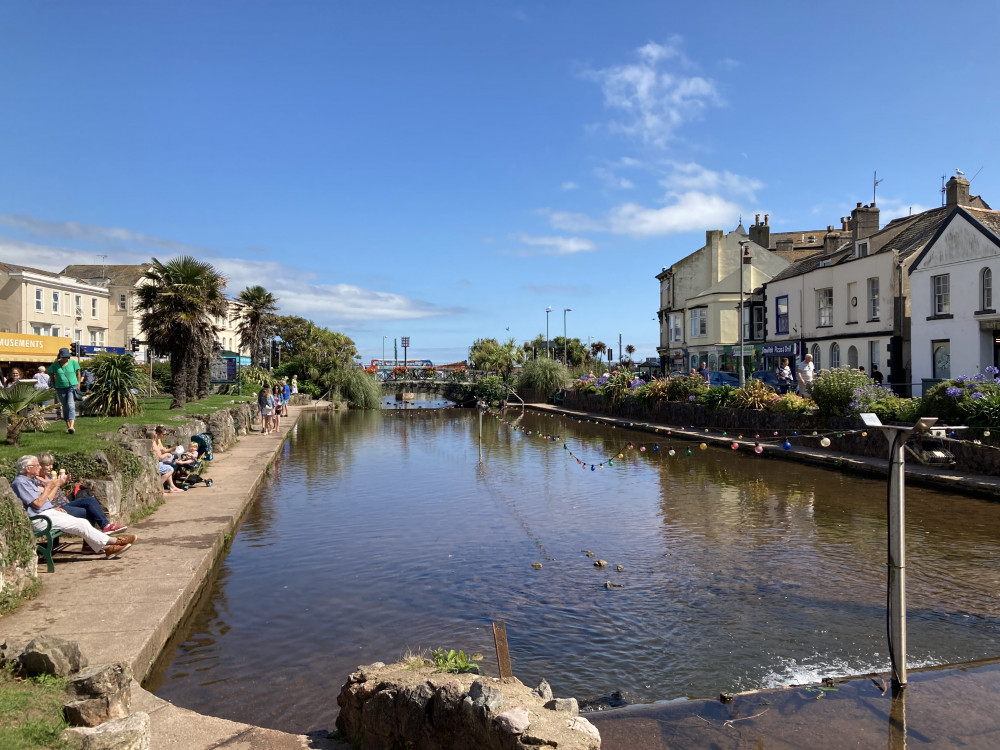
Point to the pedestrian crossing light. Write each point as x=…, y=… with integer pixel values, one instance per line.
x=74, y=349
x=135, y=344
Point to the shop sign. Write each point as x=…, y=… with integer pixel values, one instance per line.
x=90, y=351
x=26, y=347
x=782, y=349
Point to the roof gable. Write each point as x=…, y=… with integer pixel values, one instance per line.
x=985, y=222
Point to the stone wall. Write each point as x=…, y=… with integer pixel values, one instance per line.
x=969, y=458
x=18, y=560
x=399, y=705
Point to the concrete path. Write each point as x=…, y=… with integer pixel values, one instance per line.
x=125, y=609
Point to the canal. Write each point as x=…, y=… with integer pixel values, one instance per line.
x=381, y=534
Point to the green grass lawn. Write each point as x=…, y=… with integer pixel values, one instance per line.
x=155, y=410
x=31, y=712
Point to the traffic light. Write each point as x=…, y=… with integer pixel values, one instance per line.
x=74, y=349
x=135, y=344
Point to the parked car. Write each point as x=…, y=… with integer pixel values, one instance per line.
x=723, y=378
x=770, y=378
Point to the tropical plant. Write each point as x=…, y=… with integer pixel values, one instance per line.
x=118, y=380
x=833, y=390
x=598, y=348
x=544, y=376
x=654, y=392
x=492, y=356
x=179, y=300
x=754, y=394
x=629, y=351
x=251, y=380
x=715, y=398
x=255, y=321
x=359, y=389
x=618, y=386
x=20, y=403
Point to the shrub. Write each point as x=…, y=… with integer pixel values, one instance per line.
x=875, y=398
x=682, y=387
x=755, y=394
x=833, y=390
x=360, y=389
x=163, y=379
x=544, y=376
x=951, y=401
x=117, y=383
x=791, y=403
x=492, y=390
x=453, y=661
x=653, y=392
x=251, y=380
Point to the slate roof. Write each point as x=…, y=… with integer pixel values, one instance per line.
x=15, y=268
x=121, y=275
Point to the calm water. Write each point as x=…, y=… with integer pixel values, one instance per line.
x=381, y=533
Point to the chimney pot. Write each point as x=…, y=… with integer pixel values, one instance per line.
x=859, y=204
x=766, y=217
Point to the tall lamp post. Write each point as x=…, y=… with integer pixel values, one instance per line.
x=547, y=352
x=383, y=350
x=620, y=359
x=565, y=340
x=745, y=261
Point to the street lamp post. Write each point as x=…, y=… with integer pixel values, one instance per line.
x=745, y=260
x=383, y=350
x=547, y=352
x=565, y=340
x=620, y=358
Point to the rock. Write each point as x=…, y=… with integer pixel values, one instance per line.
x=130, y=733
x=609, y=585
x=514, y=721
x=48, y=654
x=580, y=724
x=600, y=563
x=486, y=696
x=99, y=694
x=536, y=565
x=619, y=568
x=543, y=691
x=564, y=704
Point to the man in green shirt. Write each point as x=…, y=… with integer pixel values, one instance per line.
x=65, y=374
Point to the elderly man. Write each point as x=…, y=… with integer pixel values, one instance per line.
x=806, y=375
x=38, y=502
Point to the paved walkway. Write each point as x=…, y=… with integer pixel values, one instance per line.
x=124, y=610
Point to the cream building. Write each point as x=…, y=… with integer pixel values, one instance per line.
x=51, y=309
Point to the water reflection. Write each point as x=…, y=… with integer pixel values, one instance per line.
x=384, y=532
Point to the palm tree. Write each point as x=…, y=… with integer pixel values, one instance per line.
x=19, y=404
x=256, y=321
x=629, y=350
x=504, y=358
x=179, y=300
x=598, y=348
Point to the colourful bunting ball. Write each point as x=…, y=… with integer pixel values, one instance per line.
x=758, y=449
x=825, y=442
x=786, y=446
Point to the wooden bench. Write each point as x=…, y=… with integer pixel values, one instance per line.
x=46, y=541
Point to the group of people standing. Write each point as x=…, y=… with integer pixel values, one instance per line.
x=273, y=404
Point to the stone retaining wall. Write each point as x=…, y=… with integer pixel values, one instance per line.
x=969, y=458
x=384, y=707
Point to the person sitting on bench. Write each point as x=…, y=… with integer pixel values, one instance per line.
x=38, y=502
x=79, y=501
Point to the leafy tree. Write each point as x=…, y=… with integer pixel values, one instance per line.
x=479, y=353
x=499, y=358
x=179, y=300
x=19, y=404
x=255, y=325
x=598, y=348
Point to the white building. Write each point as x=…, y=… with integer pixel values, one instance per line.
x=956, y=327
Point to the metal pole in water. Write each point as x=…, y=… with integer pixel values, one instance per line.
x=480, y=407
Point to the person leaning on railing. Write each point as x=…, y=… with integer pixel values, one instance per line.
x=37, y=501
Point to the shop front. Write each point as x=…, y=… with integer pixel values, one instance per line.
x=752, y=359
x=26, y=351
x=774, y=353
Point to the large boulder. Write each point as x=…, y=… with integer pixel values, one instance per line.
x=49, y=654
x=129, y=733
x=99, y=694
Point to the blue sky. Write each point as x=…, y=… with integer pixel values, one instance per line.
x=447, y=170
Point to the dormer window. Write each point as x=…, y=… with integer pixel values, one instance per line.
x=861, y=250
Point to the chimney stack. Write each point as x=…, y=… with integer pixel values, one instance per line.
x=957, y=192
x=831, y=241
x=864, y=222
x=761, y=233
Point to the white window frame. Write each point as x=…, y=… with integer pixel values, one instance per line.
x=941, y=371
x=834, y=355
x=699, y=322
x=873, y=293
x=817, y=357
x=94, y=307
x=56, y=299
x=824, y=307
x=39, y=299
x=941, y=294
x=779, y=317
x=78, y=335
x=986, y=289
x=122, y=301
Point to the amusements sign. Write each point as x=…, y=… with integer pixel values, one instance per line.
x=224, y=370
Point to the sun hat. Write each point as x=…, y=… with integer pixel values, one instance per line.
x=64, y=352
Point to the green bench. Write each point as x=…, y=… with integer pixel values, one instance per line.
x=46, y=541
x=557, y=398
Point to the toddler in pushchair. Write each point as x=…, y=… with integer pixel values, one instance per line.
x=192, y=466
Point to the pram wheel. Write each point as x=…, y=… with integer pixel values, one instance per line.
x=208, y=482
x=186, y=487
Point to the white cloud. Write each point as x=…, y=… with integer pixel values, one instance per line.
x=568, y=185
x=567, y=221
x=689, y=176
x=112, y=237
x=612, y=180
x=691, y=211
x=654, y=101
x=555, y=245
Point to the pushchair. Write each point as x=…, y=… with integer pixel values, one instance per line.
x=186, y=476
